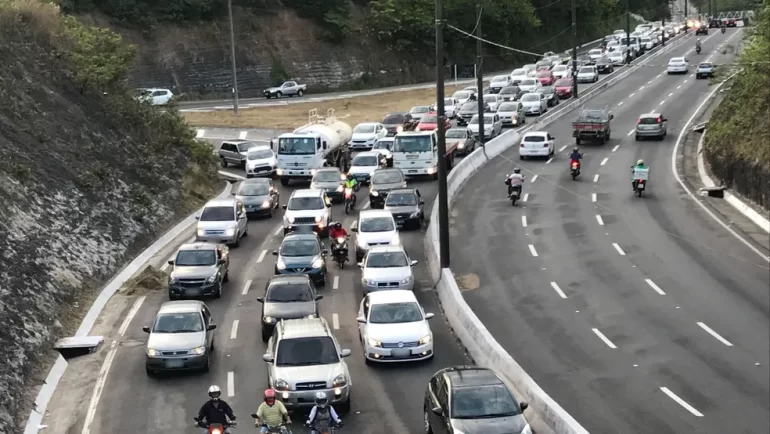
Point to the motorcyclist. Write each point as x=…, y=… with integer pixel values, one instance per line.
x=322, y=413
x=697, y=45
x=271, y=412
x=215, y=410
x=575, y=157
x=352, y=184
x=336, y=231
x=639, y=165
x=515, y=180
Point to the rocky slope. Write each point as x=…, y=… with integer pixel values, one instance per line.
x=86, y=181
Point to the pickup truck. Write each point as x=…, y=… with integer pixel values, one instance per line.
x=592, y=124
x=289, y=88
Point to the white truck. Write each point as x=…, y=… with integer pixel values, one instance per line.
x=416, y=153
x=323, y=142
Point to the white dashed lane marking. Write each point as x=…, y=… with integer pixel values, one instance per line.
x=681, y=402
x=262, y=256
x=619, y=250
x=615, y=148
x=593, y=197
x=524, y=221
x=246, y=287
x=654, y=286
x=596, y=178
x=599, y=220
x=716, y=335
x=558, y=290
x=532, y=250
x=234, y=330
x=604, y=161
x=604, y=339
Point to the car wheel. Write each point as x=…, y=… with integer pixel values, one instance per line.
x=278, y=94
x=265, y=336
x=218, y=294
x=300, y=93
x=521, y=157
x=150, y=372
x=426, y=422
x=207, y=367
x=222, y=162
x=213, y=345
x=638, y=138
x=237, y=242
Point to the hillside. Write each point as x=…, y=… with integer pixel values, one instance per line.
x=87, y=180
x=335, y=44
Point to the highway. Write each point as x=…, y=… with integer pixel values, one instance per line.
x=635, y=314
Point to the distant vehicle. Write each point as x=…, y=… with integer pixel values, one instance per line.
x=260, y=161
x=511, y=114
x=678, y=65
x=406, y=205
x=397, y=122
x=463, y=138
x=537, y=144
x=491, y=101
x=563, y=88
x=543, y=65
x=605, y=66
x=451, y=106
x=288, y=88
x=462, y=96
x=616, y=57
x=551, y=99
x=592, y=124
x=365, y=134
x=287, y=297
x=302, y=254
x=331, y=181
x=545, y=77
x=222, y=221
x=417, y=154
x=531, y=68
x=259, y=196
x=703, y=29
x=365, y=163
x=561, y=71
x=429, y=122
x=651, y=125
x=198, y=270
x=419, y=111
x=595, y=53
x=510, y=93
x=647, y=42
x=498, y=82
x=529, y=85
x=468, y=110
x=534, y=103
x=155, y=96
x=588, y=74
x=704, y=70
x=518, y=75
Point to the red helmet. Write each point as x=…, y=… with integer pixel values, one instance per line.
x=269, y=396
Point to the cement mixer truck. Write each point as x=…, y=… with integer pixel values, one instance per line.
x=323, y=142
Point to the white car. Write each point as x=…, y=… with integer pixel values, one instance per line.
x=678, y=65
x=493, y=126
x=384, y=146
x=537, y=144
x=647, y=43
x=419, y=111
x=366, y=134
x=530, y=85
x=561, y=71
x=531, y=69
x=500, y=81
x=374, y=228
x=492, y=100
x=587, y=74
x=310, y=209
x=260, y=161
x=155, y=96
x=613, y=45
x=222, y=221
x=394, y=327
x=451, y=106
x=595, y=54
x=462, y=96
x=616, y=57
x=534, y=103
x=386, y=268
x=364, y=164
x=518, y=75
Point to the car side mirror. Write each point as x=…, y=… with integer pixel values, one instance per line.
x=261, y=299
x=146, y=329
x=354, y=229
x=345, y=353
x=283, y=206
x=422, y=201
x=429, y=315
x=275, y=252
x=361, y=319
x=437, y=411
x=171, y=262
x=219, y=262
x=197, y=217
x=319, y=297
x=267, y=357
x=413, y=263
x=524, y=405
x=211, y=327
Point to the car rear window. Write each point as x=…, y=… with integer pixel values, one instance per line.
x=289, y=293
x=393, y=119
x=534, y=138
x=648, y=121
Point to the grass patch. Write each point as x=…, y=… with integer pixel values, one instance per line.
x=370, y=108
x=148, y=281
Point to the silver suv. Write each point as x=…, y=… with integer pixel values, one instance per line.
x=304, y=358
x=308, y=209
x=222, y=221
x=235, y=152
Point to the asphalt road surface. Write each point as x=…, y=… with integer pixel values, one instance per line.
x=635, y=314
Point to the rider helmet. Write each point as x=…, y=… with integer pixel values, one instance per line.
x=517, y=170
x=640, y=163
x=215, y=392
x=269, y=397
x=575, y=149
x=320, y=399
x=337, y=225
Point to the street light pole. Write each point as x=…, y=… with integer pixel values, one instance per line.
x=232, y=55
x=443, y=198
x=628, y=35
x=574, y=51
x=480, y=75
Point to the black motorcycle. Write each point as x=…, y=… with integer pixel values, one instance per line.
x=350, y=198
x=340, y=251
x=723, y=29
x=514, y=192
x=697, y=49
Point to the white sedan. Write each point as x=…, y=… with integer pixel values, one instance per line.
x=678, y=65
x=616, y=57
x=537, y=144
x=518, y=75
x=534, y=103
x=393, y=327
x=561, y=71
x=587, y=74
x=596, y=53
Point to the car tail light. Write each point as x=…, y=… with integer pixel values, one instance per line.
x=522, y=145
x=545, y=145
x=639, y=121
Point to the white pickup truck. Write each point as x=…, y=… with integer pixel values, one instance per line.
x=289, y=88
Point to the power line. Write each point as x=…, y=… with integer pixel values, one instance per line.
x=552, y=39
x=492, y=43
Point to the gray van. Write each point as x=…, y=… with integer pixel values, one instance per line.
x=233, y=152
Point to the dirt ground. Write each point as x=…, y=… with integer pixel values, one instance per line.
x=370, y=108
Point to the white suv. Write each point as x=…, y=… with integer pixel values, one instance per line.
x=222, y=221
x=308, y=209
x=375, y=228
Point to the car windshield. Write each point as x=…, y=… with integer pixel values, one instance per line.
x=531, y=97
x=297, y=145
x=586, y=69
x=499, y=78
x=478, y=402
x=319, y=350
x=186, y=322
x=305, y=203
x=327, y=176
x=401, y=199
x=508, y=107
x=245, y=146
x=363, y=129
x=195, y=258
x=705, y=65
x=546, y=90
x=420, y=109
x=536, y=138
x=289, y=293
x=527, y=82
x=249, y=189
x=383, y=144
x=395, y=313
x=542, y=74
x=218, y=214
x=260, y=154
x=456, y=133
x=648, y=120
x=364, y=160
x=393, y=119
x=387, y=177
x=429, y=119
x=519, y=71
x=386, y=260
x=595, y=52
x=559, y=68
x=509, y=91
x=299, y=248
x=412, y=144
x=563, y=83
x=377, y=224
x=463, y=94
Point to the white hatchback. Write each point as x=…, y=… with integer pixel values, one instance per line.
x=260, y=161
x=375, y=228
x=678, y=65
x=588, y=74
x=537, y=144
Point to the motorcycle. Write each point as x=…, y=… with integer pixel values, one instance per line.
x=326, y=429
x=514, y=192
x=214, y=428
x=340, y=251
x=350, y=199
x=280, y=429
x=575, y=170
x=697, y=49
x=639, y=178
x=639, y=186
x=723, y=29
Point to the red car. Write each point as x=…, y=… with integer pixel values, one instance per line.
x=545, y=77
x=563, y=88
x=429, y=122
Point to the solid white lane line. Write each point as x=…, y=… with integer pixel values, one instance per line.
x=563, y=148
x=593, y=197
x=596, y=178
x=620, y=251
x=558, y=290
x=230, y=384
x=632, y=95
x=631, y=132
x=131, y=314
x=335, y=321
x=246, y=287
x=532, y=250
x=599, y=220
x=662, y=102
x=615, y=148
x=524, y=221
x=526, y=197
x=620, y=103
x=278, y=231
x=99, y=387
x=715, y=334
x=604, y=161
x=534, y=178
x=654, y=286
x=604, y=339
x=367, y=204
x=262, y=256
x=681, y=402
x=641, y=88
x=234, y=330
x=549, y=160
x=336, y=282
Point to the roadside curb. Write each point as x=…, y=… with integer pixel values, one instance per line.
x=57, y=371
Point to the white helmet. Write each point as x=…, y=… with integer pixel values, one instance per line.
x=320, y=399
x=215, y=392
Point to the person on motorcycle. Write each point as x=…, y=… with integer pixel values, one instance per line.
x=697, y=45
x=575, y=157
x=322, y=413
x=336, y=231
x=271, y=412
x=639, y=165
x=215, y=410
x=352, y=184
x=515, y=180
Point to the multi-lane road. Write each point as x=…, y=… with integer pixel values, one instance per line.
x=637, y=315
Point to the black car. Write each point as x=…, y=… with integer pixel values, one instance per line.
x=471, y=400
x=259, y=196
x=468, y=111
x=702, y=30
x=604, y=66
x=302, y=254
x=382, y=182
x=550, y=95
x=407, y=207
x=287, y=297
x=511, y=93
x=399, y=121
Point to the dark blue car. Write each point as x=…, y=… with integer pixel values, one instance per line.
x=302, y=254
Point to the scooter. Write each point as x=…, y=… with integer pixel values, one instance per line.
x=340, y=250
x=280, y=429
x=327, y=429
x=723, y=29
x=639, y=186
x=575, y=170
x=214, y=428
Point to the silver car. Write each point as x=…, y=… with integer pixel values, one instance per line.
x=386, y=267
x=235, y=152
x=181, y=338
x=331, y=181
x=511, y=114
x=259, y=196
x=222, y=221
x=534, y=103
x=651, y=125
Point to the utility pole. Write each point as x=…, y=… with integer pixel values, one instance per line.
x=686, y=21
x=628, y=35
x=232, y=55
x=574, y=51
x=480, y=75
x=443, y=197
x=663, y=32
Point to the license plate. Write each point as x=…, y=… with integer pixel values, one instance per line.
x=174, y=364
x=412, y=171
x=401, y=354
x=250, y=207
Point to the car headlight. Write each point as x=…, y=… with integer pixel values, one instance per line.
x=153, y=353
x=201, y=232
x=318, y=263
x=268, y=319
x=374, y=343
x=281, y=385
x=172, y=280
x=368, y=282
x=374, y=193
x=527, y=429
x=212, y=279
x=406, y=280
x=313, y=171
x=461, y=145
x=431, y=171
x=340, y=381
x=290, y=219
x=198, y=350
x=280, y=264
x=318, y=219
x=414, y=215
x=426, y=340
x=279, y=172
x=400, y=129
x=230, y=232
x=266, y=204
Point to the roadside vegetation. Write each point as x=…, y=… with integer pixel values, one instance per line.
x=737, y=144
